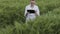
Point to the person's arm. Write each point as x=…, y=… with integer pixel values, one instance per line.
x=37, y=11
x=26, y=13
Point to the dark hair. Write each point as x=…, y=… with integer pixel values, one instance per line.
x=32, y=0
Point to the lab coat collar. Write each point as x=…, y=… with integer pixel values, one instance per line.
x=30, y=5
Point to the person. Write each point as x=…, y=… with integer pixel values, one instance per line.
x=31, y=6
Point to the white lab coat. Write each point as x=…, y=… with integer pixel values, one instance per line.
x=31, y=16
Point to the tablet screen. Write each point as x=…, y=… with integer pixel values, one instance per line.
x=31, y=11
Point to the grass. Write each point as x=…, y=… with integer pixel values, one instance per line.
x=12, y=20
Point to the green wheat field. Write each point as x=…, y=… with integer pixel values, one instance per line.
x=12, y=20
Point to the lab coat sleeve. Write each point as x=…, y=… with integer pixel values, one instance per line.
x=25, y=11
x=38, y=12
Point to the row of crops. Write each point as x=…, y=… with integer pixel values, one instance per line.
x=12, y=20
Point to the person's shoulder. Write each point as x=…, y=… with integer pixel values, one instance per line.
x=36, y=6
x=27, y=5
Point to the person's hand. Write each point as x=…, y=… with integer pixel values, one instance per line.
x=27, y=13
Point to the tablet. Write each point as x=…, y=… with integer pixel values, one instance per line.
x=31, y=11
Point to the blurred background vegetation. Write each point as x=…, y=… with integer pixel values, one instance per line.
x=12, y=20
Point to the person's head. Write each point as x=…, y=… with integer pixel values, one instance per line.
x=32, y=2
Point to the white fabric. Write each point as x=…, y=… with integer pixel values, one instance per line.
x=31, y=16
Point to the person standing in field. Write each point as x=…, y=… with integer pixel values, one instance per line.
x=31, y=6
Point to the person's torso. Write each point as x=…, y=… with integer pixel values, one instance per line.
x=31, y=8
